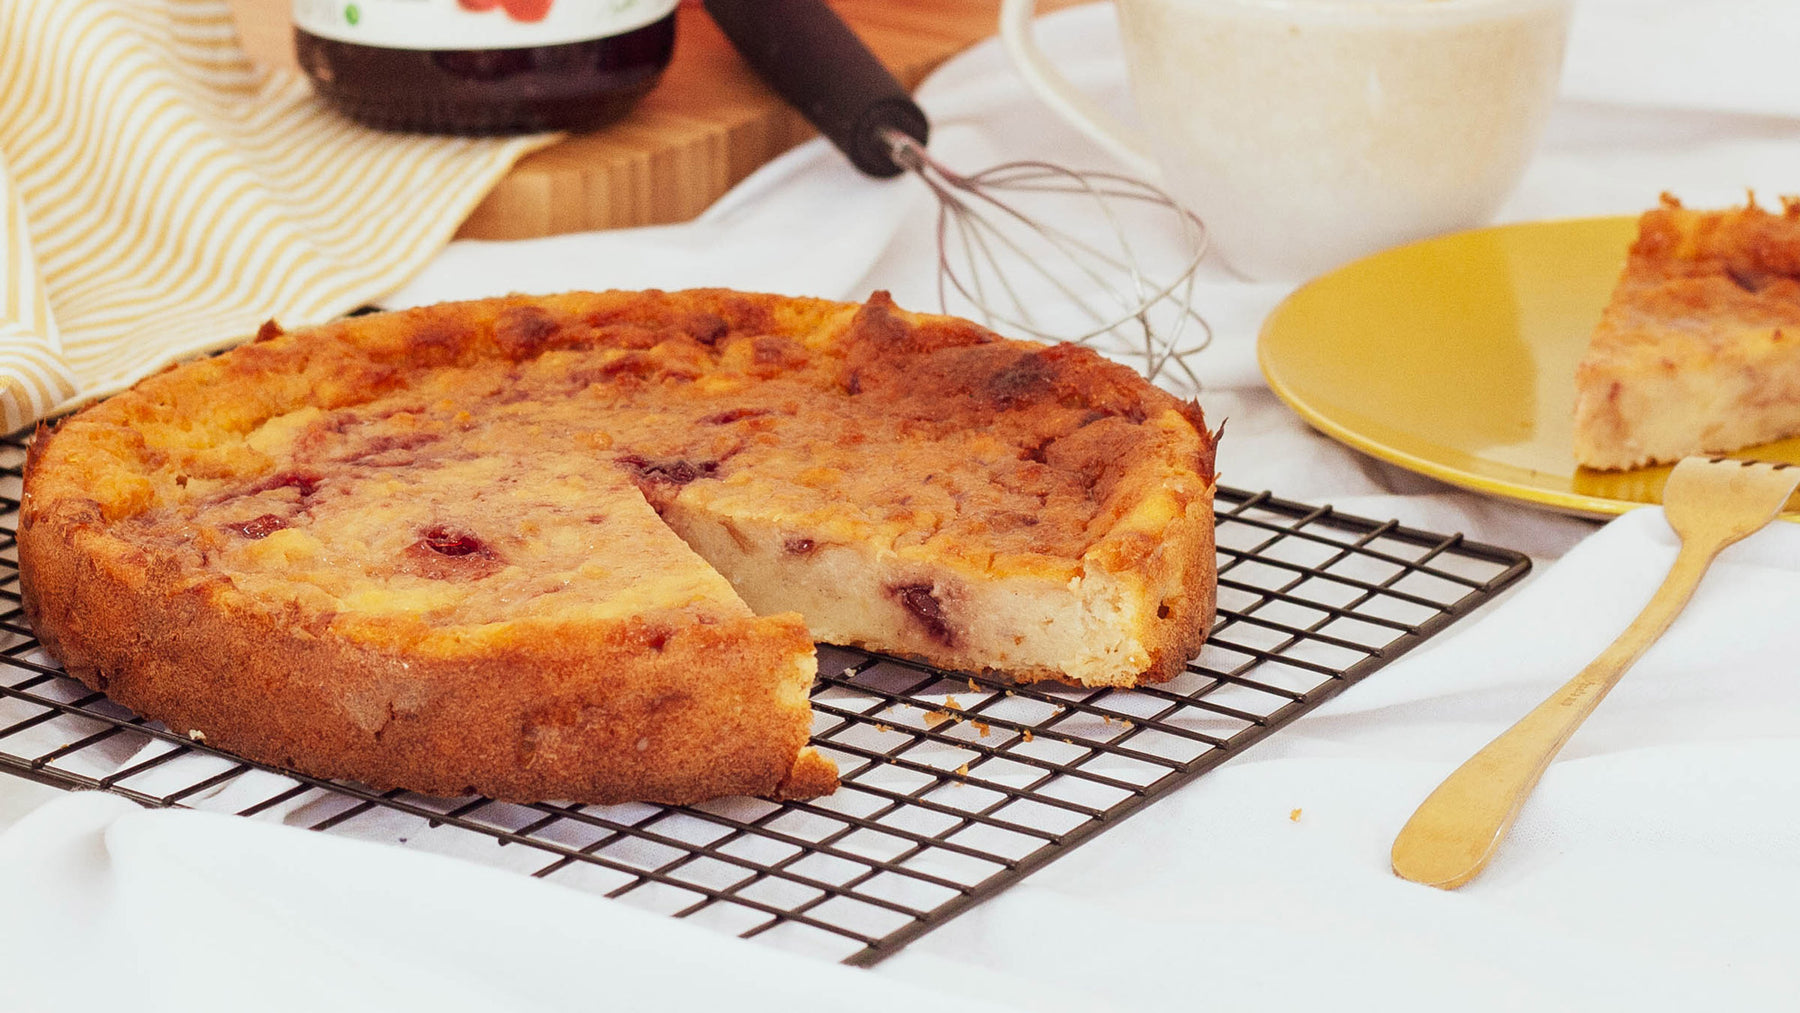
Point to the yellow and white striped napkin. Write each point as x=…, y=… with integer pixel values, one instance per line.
x=162, y=196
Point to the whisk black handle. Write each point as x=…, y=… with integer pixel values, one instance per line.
x=804, y=51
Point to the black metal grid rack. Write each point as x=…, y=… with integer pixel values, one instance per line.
x=953, y=787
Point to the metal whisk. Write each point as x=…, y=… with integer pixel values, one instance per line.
x=1021, y=243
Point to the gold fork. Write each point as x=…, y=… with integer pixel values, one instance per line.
x=1711, y=503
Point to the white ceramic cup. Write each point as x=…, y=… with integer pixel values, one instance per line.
x=1307, y=133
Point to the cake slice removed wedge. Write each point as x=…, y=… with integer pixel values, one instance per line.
x=1698, y=350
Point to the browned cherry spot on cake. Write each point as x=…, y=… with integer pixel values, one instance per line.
x=580, y=546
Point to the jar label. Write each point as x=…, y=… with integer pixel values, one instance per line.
x=474, y=24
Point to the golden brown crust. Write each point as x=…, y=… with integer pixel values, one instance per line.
x=162, y=530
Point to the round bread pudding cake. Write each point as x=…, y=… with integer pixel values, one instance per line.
x=580, y=547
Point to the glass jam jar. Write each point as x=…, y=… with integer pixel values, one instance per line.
x=484, y=66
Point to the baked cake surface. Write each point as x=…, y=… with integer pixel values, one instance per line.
x=580, y=546
x=1698, y=350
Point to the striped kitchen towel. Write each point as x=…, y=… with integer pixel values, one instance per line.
x=161, y=196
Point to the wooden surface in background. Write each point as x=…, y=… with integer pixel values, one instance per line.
x=708, y=124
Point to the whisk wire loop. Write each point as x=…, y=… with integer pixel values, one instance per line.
x=984, y=239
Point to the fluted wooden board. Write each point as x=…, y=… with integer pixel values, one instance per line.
x=708, y=124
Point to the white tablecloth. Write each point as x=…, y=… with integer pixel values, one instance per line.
x=1656, y=867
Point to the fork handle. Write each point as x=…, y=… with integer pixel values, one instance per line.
x=1458, y=827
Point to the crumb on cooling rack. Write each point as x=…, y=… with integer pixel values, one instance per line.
x=197, y=735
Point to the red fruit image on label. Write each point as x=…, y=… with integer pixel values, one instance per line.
x=527, y=10
x=517, y=10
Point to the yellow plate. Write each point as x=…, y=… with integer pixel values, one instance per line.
x=1455, y=357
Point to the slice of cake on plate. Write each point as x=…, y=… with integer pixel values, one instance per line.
x=1699, y=349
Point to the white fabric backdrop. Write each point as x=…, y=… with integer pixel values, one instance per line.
x=1655, y=868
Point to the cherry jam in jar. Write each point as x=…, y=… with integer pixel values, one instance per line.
x=484, y=66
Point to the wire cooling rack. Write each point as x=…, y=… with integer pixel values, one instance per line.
x=953, y=787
